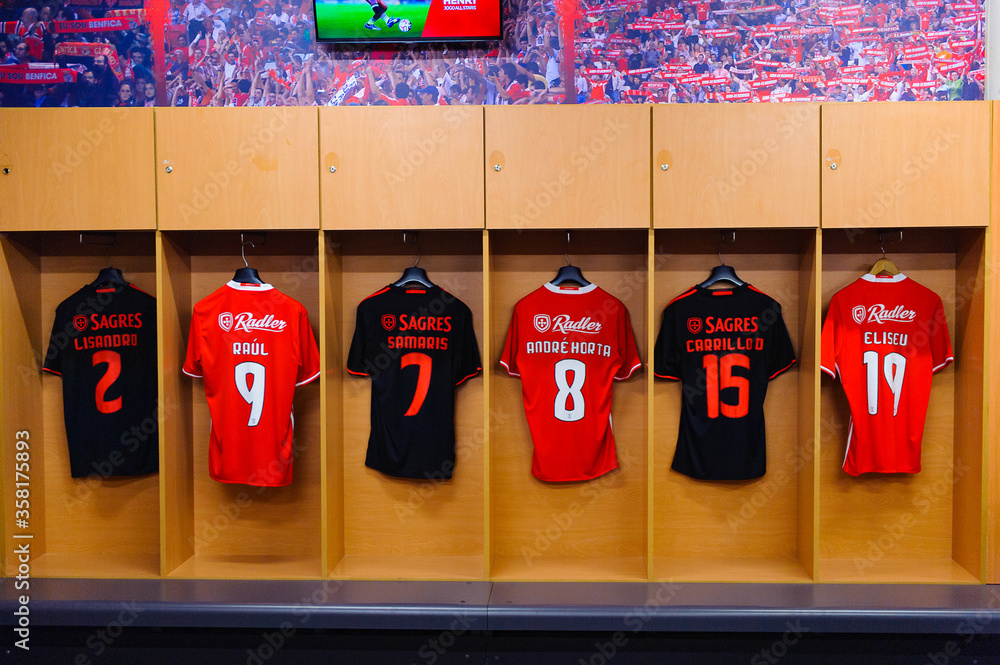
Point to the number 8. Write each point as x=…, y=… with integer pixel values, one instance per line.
x=563, y=367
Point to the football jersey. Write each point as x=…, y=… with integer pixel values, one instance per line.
x=724, y=346
x=884, y=337
x=417, y=344
x=251, y=345
x=568, y=346
x=103, y=345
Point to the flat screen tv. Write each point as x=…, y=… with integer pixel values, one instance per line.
x=405, y=21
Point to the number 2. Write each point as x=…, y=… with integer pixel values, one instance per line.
x=111, y=374
x=251, y=392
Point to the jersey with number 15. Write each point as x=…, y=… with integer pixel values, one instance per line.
x=568, y=346
x=251, y=345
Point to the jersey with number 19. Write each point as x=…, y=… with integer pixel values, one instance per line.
x=251, y=345
x=568, y=346
x=884, y=337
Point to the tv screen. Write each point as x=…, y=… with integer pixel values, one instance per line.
x=401, y=21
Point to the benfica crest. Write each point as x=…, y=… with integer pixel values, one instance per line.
x=388, y=321
x=542, y=322
x=694, y=325
x=226, y=321
x=859, y=314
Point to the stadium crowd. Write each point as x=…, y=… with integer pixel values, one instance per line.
x=263, y=53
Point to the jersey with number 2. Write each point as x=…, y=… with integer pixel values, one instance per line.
x=568, y=346
x=252, y=345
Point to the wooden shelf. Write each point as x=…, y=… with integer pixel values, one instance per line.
x=408, y=567
x=895, y=571
x=110, y=563
x=729, y=569
x=248, y=567
x=568, y=569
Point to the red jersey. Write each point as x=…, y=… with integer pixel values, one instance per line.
x=568, y=346
x=252, y=345
x=885, y=336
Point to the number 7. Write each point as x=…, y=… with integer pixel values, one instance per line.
x=423, y=362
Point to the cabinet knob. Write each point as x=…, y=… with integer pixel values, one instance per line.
x=333, y=169
x=169, y=169
x=6, y=170
x=833, y=166
x=497, y=167
x=664, y=167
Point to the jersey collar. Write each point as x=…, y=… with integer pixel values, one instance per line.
x=883, y=280
x=248, y=287
x=570, y=292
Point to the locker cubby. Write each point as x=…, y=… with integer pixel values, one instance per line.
x=380, y=527
x=929, y=526
x=758, y=530
x=213, y=529
x=100, y=526
x=584, y=531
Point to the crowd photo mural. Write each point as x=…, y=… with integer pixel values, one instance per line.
x=264, y=53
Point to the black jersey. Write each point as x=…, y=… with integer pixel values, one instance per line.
x=724, y=346
x=417, y=345
x=103, y=345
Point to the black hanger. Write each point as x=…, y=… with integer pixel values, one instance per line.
x=722, y=272
x=569, y=272
x=413, y=274
x=110, y=276
x=246, y=275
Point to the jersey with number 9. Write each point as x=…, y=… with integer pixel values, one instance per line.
x=251, y=345
x=568, y=346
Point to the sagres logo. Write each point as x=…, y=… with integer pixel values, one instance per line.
x=882, y=314
x=542, y=322
x=80, y=322
x=694, y=325
x=859, y=314
x=388, y=321
x=226, y=321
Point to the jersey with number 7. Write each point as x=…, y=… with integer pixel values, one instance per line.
x=251, y=345
x=568, y=346
x=884, y=337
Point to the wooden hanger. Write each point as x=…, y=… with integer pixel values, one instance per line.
x=884, y=264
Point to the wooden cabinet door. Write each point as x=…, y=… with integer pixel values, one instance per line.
x=76, y=169
x=567, y=167
x=905, y=165
x=247, y=168
x=735, y=165
x=402, y=168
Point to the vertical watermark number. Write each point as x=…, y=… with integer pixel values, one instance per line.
x=21, y=536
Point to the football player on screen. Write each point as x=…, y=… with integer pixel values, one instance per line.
x=381, y=11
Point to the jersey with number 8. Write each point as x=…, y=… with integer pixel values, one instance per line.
x=568, y=346
x=884, y=337
x=252, y=345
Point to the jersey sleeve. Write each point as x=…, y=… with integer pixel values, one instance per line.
x=357, y=357
x=309, y=367
x=192, y=362
x=828, y=340
x=780, y=353
x=57, y=342
x=509, y=356
x=666, y=355
x=941, y=352
x=627, y=350
x=469, y=363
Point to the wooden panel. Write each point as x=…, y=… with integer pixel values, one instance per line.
x=396, y=168
x=484, y=348
x=21, y=382
x=903, y=165
x=77, y=169
x=241, y=531
x=702, y=527
x=237, y=168
x=594, y=530
x=332, y=398
x=173, y=305
x=807, y=461
x=874, y=521
x=387, y=519
x=567, y=167
x=735, y=165
x=993, y=369
x=897, y=571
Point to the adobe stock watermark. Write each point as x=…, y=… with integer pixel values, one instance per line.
x=548, y=191
x=432, y=650
x=424, y=148
x=273, y=641
x=607, y=650
x=77, y=153
x=100, y=640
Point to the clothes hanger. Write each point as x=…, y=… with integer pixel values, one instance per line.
x=722, y=272
x=109, y=276
x=884, y=264
x=569, y=272
x=414, y=274
x=246, y=274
